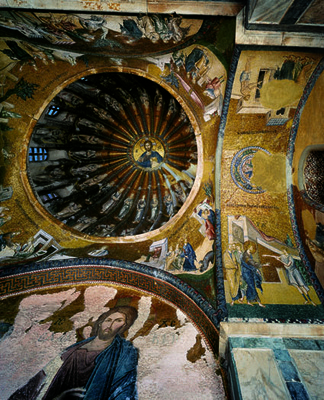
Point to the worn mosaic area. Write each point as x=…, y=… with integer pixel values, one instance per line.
x=37, y=328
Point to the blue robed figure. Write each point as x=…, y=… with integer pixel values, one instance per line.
x=189, y=256
x=251, y=276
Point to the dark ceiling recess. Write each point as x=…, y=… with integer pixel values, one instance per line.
x=113, y=154
x=314, y=176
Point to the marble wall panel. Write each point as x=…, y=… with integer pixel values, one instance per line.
x=311, y=367
x=276, y=367
x=258, y=375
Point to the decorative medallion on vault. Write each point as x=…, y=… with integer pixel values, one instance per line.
x=113, y=155
x=242, y=169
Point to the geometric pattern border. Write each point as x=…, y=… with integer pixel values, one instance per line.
x=18, y=280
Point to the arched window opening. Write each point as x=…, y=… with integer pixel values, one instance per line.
x=53, y=111
x=37, y=154
x=48, y=197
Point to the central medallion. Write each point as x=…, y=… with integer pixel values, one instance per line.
x=148, y=153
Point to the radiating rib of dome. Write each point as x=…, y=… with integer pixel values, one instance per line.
x=99, y=188
x=157, y=116
x=118, y=110
x=101, y=201
x=168, y=119
x=180, y=129
x=144, y=106
x=108, y=120
x=159, y=182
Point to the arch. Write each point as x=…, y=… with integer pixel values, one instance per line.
x=60, y=273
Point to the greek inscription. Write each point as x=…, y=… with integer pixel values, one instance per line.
x=166, y=339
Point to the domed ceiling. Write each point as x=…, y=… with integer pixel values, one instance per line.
x=113, y=154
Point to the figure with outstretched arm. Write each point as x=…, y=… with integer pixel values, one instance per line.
x=293, y=275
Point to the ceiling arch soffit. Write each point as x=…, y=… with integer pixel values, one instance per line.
x=124, y=36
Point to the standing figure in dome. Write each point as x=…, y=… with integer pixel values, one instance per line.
x=44, y=135
x=84, y=170
x=80, y=155
x=140, y=209
x=168, y=202
x=70, y=98
x=95, y=180
x=180, y=194
x=104, y=230
x=154, y=208
x=69, y=210
x=85, y=125
x=84, y=222
x=111, y=202
x=128, y=202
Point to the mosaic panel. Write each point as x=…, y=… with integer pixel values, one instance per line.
x=99, y=341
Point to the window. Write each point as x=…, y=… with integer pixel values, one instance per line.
x=48, y=197
x=37, y=154
x=53, y=110
x=261, y=77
